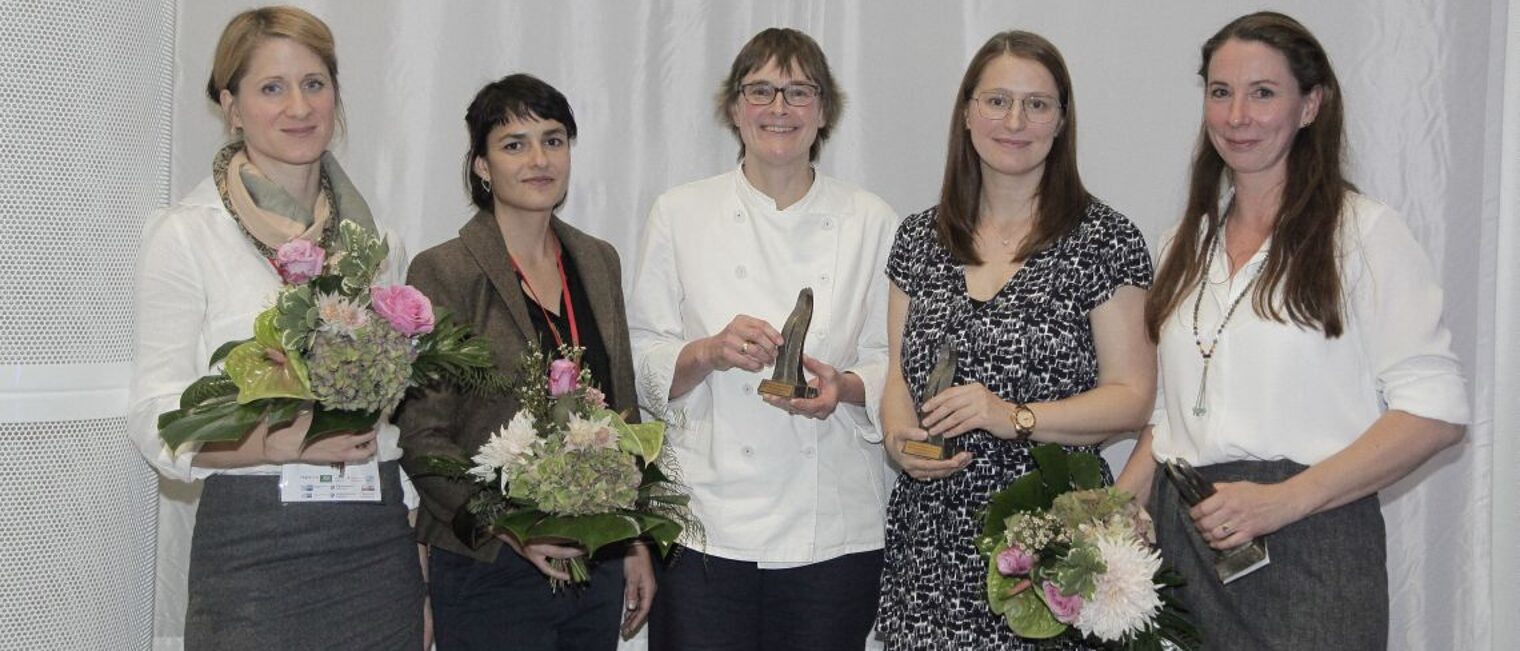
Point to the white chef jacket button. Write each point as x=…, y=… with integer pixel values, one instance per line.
x=748, y=389
x=807, y=452
x=740, y=271
x=748, y=451
x=738, y=216
x=828, y=224
x=823, y=278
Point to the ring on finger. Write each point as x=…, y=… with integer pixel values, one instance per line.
x=1227, y=529
x=744, y=348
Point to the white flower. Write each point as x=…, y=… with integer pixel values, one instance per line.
x=340, y=315
x=589, y=434
x=506, y=449
x=1125, y=599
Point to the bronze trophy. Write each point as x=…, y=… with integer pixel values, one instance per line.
x=940, y=378
x=788, y=381
x=1229, y=564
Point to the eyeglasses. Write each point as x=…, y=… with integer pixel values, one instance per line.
x=995, y=105
x=762, y=93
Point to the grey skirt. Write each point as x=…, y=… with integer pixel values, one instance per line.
x=269, y=575
x=1326, y=587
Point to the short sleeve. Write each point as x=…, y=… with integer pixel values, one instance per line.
x=1120, y=254
x=906, y=261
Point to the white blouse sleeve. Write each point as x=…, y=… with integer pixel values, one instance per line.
x=170, y=309
x=654, y=314
x=1397, y=302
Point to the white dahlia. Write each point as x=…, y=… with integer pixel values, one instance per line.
x=506, y=449
x=590, y=433
x=1125, y=599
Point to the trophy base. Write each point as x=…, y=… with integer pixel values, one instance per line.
x=935, y=448
x=1232, y=564
x=787, y=390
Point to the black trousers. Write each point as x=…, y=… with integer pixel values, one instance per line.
x=509, y=605
x=707, y=603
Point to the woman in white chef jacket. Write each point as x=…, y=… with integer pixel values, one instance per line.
x=790, y=492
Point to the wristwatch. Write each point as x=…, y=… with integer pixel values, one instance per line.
x=1023, y=421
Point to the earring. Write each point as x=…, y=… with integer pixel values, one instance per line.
x=485, y=184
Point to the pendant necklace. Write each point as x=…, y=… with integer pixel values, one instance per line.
x=1199, y=409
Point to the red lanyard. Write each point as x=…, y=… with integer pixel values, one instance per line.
x=569, y=307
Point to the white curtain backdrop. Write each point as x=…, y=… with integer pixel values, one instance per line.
x=1433, y=99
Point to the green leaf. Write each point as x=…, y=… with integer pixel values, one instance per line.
x=1086, y=470
x=221, y=420
x=221, y=352
x=1078, y=572
x=642, y=439
x=1025, y=612
x=590, y=532
x=258, y=377
x=660, y=529
x=327, y=422
x=295, y=316
x=207, y=388
x=1051, y=459
x=448, y=467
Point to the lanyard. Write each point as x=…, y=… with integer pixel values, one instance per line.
x=569, y=307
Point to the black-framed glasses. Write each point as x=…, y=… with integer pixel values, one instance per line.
x=995, y=105
x=762, y=93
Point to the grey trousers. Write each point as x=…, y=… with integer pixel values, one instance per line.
x=1326, y=587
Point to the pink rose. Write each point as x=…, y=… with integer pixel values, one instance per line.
x=1063, y=607
x=407, y=310
x=1014, y=562
x=299, y=261
x=564, y=376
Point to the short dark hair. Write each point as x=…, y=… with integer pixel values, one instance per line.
x=793, y=51
x=518, y=96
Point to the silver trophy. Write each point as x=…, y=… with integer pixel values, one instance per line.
x=1229, y=564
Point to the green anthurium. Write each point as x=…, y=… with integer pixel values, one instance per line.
x=259, y=377
x=641, y=439
x=1025, y=611
x=212, y=421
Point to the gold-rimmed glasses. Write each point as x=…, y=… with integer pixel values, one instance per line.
x=995, y=105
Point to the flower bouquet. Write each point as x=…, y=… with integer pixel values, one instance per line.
x=568, y=468
x=333, y=342
x=1065, y=552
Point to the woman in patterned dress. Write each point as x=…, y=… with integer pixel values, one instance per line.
x=1040, y=290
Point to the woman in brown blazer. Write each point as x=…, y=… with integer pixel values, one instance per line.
x=520, y=276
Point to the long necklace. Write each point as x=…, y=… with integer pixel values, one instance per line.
x=1199, y=409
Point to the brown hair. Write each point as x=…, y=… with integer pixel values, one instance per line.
x=1062, y=200
x=248, y=30
x=1301, y=279
x=793, y=51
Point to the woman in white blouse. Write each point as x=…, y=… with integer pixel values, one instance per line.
x=791, y=492
x=1303, y=361
x=265, y=573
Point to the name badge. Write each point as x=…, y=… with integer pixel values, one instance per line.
x=353, y=482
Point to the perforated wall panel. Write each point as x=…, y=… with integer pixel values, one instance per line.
x=85, y=118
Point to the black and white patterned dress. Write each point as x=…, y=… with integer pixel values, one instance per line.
x=1031, y=342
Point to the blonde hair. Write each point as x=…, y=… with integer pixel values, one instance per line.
x=250, y=29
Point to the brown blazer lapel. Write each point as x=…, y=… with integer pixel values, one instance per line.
x=483, y=239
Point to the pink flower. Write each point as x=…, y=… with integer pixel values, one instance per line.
x=299, y=261
x=1063, y=607
x=564, y=376
x=407, y=310
x=1014, y=562
x=595, y=397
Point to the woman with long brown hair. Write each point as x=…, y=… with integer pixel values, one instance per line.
x=1038, y=289
x=1304, y=364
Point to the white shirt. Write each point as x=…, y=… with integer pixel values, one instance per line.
x=768, y=486
x=1278, y=391
x=200, y=283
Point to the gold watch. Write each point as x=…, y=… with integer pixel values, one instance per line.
x=1023, y=422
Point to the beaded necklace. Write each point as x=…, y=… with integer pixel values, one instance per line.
x=1199, y=408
